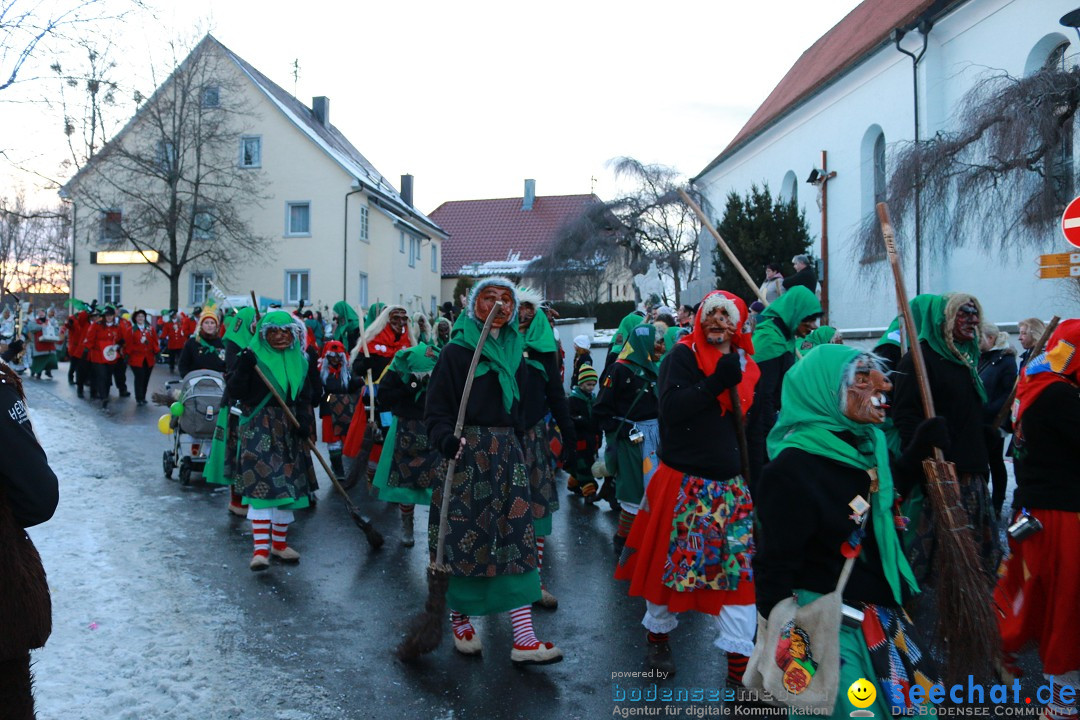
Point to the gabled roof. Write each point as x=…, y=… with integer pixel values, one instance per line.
x=486, y=231
x=327, y=137
x=865, y=29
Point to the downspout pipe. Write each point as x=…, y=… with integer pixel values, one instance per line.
x=357, y=187
x=924, y=27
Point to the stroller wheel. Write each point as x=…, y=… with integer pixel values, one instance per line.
x=185, y=471
x=167, y=464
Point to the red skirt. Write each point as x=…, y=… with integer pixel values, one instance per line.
x=1038, y=592
x=648, y=550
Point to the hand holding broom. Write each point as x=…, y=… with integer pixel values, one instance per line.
x=426, y=630
x=359, y=465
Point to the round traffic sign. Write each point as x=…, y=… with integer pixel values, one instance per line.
x=1070, y=223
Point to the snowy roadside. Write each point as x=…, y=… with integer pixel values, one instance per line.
x=135, y=635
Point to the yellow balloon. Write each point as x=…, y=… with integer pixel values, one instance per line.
x=163, y=424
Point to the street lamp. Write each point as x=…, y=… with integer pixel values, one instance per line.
x=1072, y=19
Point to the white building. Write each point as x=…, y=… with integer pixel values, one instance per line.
x=853, y=94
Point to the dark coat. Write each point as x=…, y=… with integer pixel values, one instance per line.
x=997, y=368
x=806, y=277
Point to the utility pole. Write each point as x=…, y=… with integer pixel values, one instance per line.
x=824, y=179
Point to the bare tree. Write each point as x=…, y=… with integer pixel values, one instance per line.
x=169, y=186
x=35, y=246
x=87, y=98
x=664, y=228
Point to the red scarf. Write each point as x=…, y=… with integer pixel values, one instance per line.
x=386, y=343
x=1060, y=362
x=708, y=355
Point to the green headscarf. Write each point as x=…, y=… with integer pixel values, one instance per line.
x=775, y=331
x=671, y=337
x=638, y=350
x=819, y=336
x=625, y=326
x=351, y=321
x=238, y=327
x=893, y=333
x=287, y=368
x=811, y=417
x=502, y=354
x=372, y=313
x=436, y=340
x=413, y=361
x=539, y=338
x=930, y=322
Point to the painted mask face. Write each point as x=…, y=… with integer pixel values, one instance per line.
x=208, y=327
x=279, y=338
x=967, y=323
x=526, y=313
x=866, y=396
x=398, y=320
x=806, y=327
x=486, y=300
x=422, y=323
x=444, y=331
x=335, y=360
x=718, y=326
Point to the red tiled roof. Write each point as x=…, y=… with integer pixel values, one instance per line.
x=495, y=230
x=861, y=31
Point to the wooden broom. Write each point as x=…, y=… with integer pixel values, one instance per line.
x=359, y=465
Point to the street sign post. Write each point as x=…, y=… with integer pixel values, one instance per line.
x=1058, y=272
x=1060, y=259
x=1070, y=223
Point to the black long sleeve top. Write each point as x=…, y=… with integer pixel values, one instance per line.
x=405, y=399
x=804, y=517
x=696, y=436
x=585, y=428
x=27, y=481
x=245, y=385
x=539, y=396
x=1048, y=458
x=485, y=407
x=997, y=368
x=955, y=399
x=619, y=389
x=196, y=356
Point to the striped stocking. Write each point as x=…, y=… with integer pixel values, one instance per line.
x=461, y=625
x=736, y=666
x=540, y=552
x=625, y=521
x=521, y=622
x=280, y=531
x=260, y=530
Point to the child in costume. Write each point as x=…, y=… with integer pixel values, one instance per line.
x=340, y=391
x=581, y=479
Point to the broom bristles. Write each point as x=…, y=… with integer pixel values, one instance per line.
x=425, y=631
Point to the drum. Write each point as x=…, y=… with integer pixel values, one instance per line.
x=111, y=353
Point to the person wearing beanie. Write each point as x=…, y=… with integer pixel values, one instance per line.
x=490, y=538
x=542, y=396
x=205, y=349
x=581, y=480
x=582, y=356
x=141, y=345
x=105, y=340
x=272, y=457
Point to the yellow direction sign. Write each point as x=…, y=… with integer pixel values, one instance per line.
x=1059, y=271
x=1060, y=259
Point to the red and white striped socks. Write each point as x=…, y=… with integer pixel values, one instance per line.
x=280, y=530
x=1057, y=708
x=540, y=552
x=521, y=622
x=260, y=530
x=461, y=625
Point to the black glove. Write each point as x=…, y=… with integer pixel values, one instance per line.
x=449, y=446
x=245, y=360
x=728, y=373
x=930, y=434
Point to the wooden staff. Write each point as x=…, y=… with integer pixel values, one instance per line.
x=723, y=245
x=1036, y=350
x=426, y=630
x=360, y=463
x=965, y=621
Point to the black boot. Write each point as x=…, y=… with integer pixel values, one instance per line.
x=659, y=657
x=337, y=464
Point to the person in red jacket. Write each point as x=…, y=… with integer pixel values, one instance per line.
x=188, y=322
x=75, y=326
x=104, y=341
x=84, y=373
x=141, y=344
x=174, y=338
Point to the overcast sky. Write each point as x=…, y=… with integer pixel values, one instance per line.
x=474, y=97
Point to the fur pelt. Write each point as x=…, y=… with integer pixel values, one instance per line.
x=25, y=605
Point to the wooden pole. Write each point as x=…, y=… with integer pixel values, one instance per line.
x=723, y=245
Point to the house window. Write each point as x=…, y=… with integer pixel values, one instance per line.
x=364, y=224
x=111, y=225
x=166, y=156
x=363, y=289
x=211, y=96
x=434, y=258
x=200, y=287
x=879, y=169
x=297, y=218
x=401, y=242
x=414, y=250
x=1059, y=160
x=109, y=289
x=202, y=225
x=297, y=287
x=434, y=306
x=251, y=151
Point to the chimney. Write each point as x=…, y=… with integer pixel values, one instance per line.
x=406, y=189
x=321, y=107
x=530, y=195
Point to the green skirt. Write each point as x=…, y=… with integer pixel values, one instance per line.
x=491, y=595
x=41, y=363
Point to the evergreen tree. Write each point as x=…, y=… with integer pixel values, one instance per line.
x=759, y=229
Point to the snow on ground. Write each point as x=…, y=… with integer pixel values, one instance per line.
x=134, y=636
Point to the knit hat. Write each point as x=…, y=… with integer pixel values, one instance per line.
x=586, y=373
x=209, y=312
x=582, y=341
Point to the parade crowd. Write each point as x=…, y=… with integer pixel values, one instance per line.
x=765, y=474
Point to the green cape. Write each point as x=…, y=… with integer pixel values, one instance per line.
x=930, y=322
x=810, y=418
x=771, y=340
x=502, y=355
x=287, y=369
x=539, y=337
x=372, y=313
x=638, y=350
x=892, y=333
x=625, y=325
x=671, y=338
x=351, y=321
x=238, y=327
x=413, y=361
x=820, y=336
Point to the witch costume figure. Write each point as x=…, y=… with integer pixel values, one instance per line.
x=272, y=457
x=828, y=495
x=691, y=544
x=410, y=465
x=337, y=403
x=490, y=542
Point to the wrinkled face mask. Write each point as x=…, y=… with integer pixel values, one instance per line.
x=526, y=313
x=866, y=400
x=967, y=323
x=398, y=319
x=718, y=326
x=444, y=331
x=486, y=300
x=806, y=327
x=279, y=338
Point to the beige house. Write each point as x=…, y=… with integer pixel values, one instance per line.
x=271, y=197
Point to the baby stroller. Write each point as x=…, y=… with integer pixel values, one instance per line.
x=200, y=393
